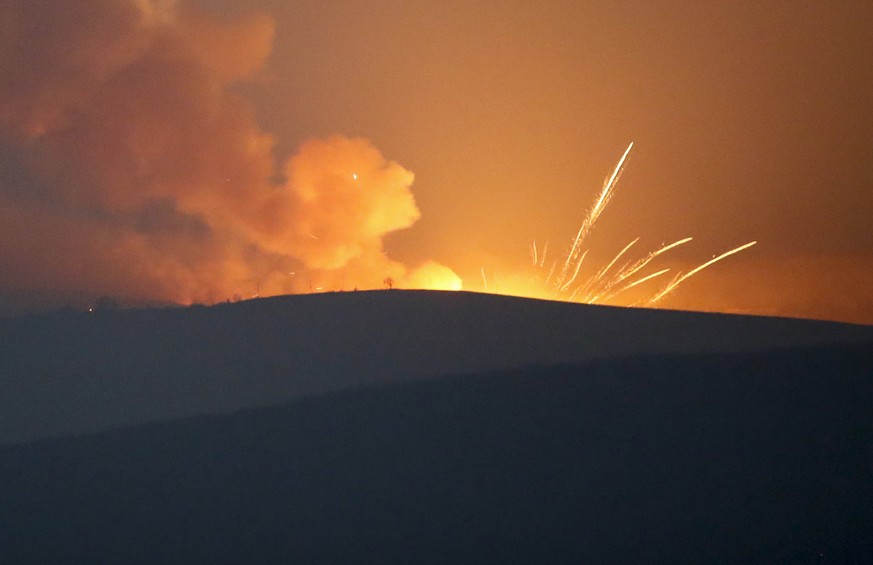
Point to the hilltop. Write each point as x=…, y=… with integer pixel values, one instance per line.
x=73, y=373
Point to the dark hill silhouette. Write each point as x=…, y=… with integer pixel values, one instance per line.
x=75, y=373
x=737, y=457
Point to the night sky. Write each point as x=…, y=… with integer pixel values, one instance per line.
x=190, y=151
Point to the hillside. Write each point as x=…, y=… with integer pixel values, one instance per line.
x=732, y=457
x=75, y=373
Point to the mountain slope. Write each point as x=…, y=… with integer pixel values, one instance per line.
x=76, y=373
x=752, y=457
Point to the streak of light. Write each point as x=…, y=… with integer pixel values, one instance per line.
x=593, y=215
x=604, y=285
x=672, y=286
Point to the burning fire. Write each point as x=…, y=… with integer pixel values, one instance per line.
x=138, y=170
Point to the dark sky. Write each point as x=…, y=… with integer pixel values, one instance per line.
x=751, y=121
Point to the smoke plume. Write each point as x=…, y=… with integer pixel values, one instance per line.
x=129, y=166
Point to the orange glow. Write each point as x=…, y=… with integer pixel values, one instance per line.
x=165, y=187
x=559, y=279
x=432, y=276
x=175, y=151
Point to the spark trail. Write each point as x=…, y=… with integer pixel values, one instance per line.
x=574, y=259
x=679, y=278
x=608, y=282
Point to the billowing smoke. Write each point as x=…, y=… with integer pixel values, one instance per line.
x=129, y=166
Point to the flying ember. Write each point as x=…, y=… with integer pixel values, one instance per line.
x=560, y=278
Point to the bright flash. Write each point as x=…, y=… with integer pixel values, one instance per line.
x=561, y=277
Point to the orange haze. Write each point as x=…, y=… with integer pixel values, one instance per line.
x=188, y=150
x=136, y=170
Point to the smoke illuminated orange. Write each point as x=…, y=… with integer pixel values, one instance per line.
x=184, y=151
x=157, y=182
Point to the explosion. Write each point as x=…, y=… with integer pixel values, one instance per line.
x=131, y=166
x=560, y=281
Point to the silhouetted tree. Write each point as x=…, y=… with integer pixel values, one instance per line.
x=389, y=282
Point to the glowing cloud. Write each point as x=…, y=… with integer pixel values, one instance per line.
x=348, y=197
x=133, y=168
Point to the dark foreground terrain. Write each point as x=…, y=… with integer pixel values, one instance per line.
x=737, y=457
x=69, y=373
